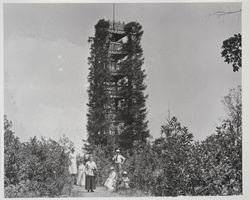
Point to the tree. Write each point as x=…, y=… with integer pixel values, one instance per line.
x=175, y=151
x=34, y=168
x=12, y=158
x=134, y=109
x=222, y=13
x=97, y=124
x=219, y=156
x=232, y=51
x=231, y=46
x=233, y=105
x=66, y=144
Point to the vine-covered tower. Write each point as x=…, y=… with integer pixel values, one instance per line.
x=117, y=112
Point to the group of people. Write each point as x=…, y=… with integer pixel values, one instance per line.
x=117, y=177
x=85, y=175
x=113, y=181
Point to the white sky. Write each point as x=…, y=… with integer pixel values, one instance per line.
x=46, y=50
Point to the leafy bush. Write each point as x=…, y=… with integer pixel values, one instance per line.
x=171, y=165
x=34, y=168
x=174, y=149
x=176, y=165
x=12, y=157
x=220, y=157
x=140, y=163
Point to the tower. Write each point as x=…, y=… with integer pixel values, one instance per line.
x=114, y=85
x=117, y=110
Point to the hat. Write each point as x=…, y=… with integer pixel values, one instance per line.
x=118, y=150
x=124, y=172
x=112, y=168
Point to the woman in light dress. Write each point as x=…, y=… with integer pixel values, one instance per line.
x=73, y=166
x=81, y=174
x=111, y=180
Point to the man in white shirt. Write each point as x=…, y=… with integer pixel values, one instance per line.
x=119, y=160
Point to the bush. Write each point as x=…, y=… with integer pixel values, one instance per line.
x=12, y=156
x=35, y=168
x=140, y=164
x=221, y=163
x=176, y=165
x=174, y=149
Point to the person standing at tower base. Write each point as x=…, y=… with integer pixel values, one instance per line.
x=119, y=160
x=91, y=173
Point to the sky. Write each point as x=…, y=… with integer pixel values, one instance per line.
x=46, y=69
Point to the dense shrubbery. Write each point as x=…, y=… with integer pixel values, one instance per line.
x=220, y=161
x=175, y=165
x=171, y=165
x=34, y=168
x=174, y=149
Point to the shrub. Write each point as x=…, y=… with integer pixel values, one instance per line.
x=140, y=164
x=34, y=168
x=12, y=156
x=174, y=149
x=221, y=163
x=176, y=165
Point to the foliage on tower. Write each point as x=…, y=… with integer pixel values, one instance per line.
x=135, y=110
x=132, y=110
x=97, y=76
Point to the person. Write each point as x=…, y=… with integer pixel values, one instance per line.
x=81, y=174
x=111, y=180
x=73, y=166
x=91, y=172
x=124, y=184
x=119, y=160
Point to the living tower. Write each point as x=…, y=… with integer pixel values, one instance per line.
x=115, y=85
x=117, y=112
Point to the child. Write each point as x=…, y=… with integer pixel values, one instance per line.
x=125, y=180
x=81, y=174
x=111, y=180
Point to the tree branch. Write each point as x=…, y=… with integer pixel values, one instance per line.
x=222, y=13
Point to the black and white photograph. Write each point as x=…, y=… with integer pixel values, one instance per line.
x=122, y=99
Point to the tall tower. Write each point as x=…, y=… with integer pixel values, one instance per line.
x=117, y=110
x=115, y=84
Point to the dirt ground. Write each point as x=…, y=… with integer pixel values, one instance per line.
x=78, y=191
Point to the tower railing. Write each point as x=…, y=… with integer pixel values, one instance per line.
x=116, y=26
x=115, y=68
x=116, y=48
